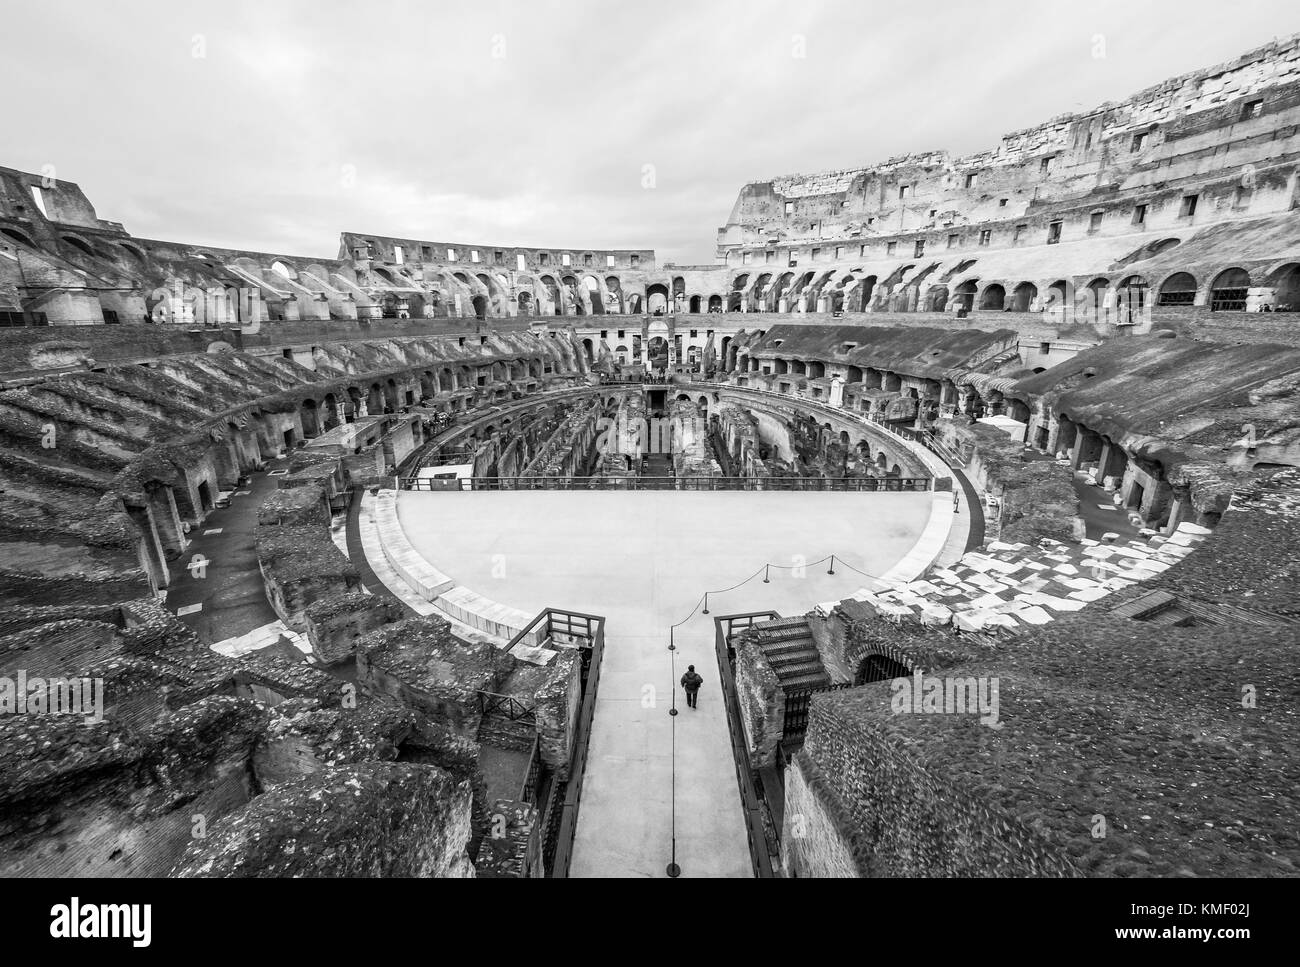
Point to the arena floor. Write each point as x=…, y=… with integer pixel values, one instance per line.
x=642, y=560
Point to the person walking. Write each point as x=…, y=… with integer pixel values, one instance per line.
x=692, y=681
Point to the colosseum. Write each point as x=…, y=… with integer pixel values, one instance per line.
x=967, y=485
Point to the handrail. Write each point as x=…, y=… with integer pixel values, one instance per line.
x=578, y=759
x=754, y=830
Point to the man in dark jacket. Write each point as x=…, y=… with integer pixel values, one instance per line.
x=692, y=682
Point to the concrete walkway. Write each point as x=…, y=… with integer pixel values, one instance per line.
x=225, y=597
x=642, y=560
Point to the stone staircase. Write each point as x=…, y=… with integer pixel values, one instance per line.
x=787, y=644
x=496, y=729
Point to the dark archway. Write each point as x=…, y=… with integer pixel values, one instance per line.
x=880, y=668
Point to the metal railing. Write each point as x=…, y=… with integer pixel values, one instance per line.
x=508, y=705
x=725, y=627
x=587, y=632
x=802, y=484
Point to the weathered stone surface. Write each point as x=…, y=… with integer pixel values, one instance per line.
x=366, y=820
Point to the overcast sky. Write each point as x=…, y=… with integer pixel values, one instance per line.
x=274, y=126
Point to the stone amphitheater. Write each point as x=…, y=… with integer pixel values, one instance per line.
x=969, y=484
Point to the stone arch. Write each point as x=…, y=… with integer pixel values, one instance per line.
x=657, y=298
x=310, y=419
x=1179, y=289
x=994, y=297
x=1286, y=282
x=330, y=411
x=592, y=286
x=1229, y=289
x=1023, y=297
x=1130, y=299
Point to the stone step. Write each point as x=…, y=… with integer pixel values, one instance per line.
x=793, y=646
x=817, y=679
x=497, y=730
x=799, y=670
x=786, y=659
x=778, y=623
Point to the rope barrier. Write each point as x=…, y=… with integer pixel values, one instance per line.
x=674, y=870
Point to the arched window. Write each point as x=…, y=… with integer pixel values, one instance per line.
x=1228, y=291
x=1178, y=290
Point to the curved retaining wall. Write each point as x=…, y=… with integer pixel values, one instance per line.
x=466, y=606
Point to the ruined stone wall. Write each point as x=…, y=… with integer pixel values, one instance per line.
x=762, y=703
x=912, y=821
x=818, y=838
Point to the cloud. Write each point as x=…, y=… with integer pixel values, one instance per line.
x=533, y=123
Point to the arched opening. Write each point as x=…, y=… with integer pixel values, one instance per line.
x=310, y=427
x=593, y=296
x=938, y=299
x=1058, y=298
x=879, y=668
x=1094, y=298
x=1130, y=300
x=480, y=303
x=715, y=303
x=1287, y=293
x=590, y=350
x=525, y=301
x=282, y=270
x=331, y=411
x=865, y=290
x=1023, y=296
x=657, y=299
x=613, y=287
x=994, y=298
x=18, y=236
x=1228, y=291
x=657, y=352
x=80, y=245
x=695, y=305
x=966, y=294
x=1178, y=290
